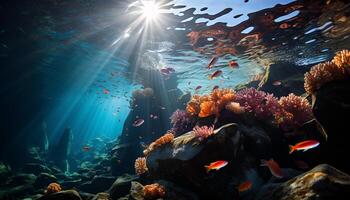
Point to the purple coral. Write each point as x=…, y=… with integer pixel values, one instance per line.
x=263, y=105
x=181, y=121
x=203, y=132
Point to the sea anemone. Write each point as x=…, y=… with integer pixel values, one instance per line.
x=53, y=188
x=322, y=73
x=153, y=191
x=296, y=111
x=211, y=104
x=165, y=139
x=261, y=104
x=181, y=121
x=203, y=132
x=235, y=108
x=141, y=165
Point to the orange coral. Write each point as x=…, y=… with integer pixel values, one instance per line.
x=211, y=104
x=141, y=165
x=165, y=139
x=153, y=191
x=338, y=69
x=235, y=108
x=53, y=188
x=320, y=74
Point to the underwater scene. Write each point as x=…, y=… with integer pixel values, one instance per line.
x=174, y=99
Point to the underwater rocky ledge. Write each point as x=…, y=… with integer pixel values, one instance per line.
x=248, y=130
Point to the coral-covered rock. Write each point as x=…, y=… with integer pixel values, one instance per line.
x=322, y=182
x=53, y=188
x=165, y=139
x=153, y=191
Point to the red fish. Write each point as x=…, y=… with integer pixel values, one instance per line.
x=138, y=122
x=105, y=91
x=86, y=148
x=215, y=74
x=245, y=186
x=212, y=62
x=305, y=145
x=277, y=83
x=215, y=87
x=273, y=167
x=233, y=64
x=198, y=87
x=216, y=165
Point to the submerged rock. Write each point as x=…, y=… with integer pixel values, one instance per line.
x=44, y=179
x=97, y=184
x=322, y=182
x=121, y=186
x=64, y=195
x=36, y=168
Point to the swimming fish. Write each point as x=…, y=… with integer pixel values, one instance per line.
x=216, y=165
x=138, y=122
x=277, y=83
x=170, y=69
x=244, y=186
x=164, y=71
x=86, y=148
x=273, y=167
x=215, y=74
x=105, y=91
x=215, y=87
x=212, y=62
x=305, y=145
x=233, y=64
x=198, y=87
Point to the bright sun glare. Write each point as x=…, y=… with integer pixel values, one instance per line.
x=150, y=10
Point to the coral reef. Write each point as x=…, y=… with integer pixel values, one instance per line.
x=296, y=110
x=235, y=108
x=181, y=121
x=261, y=104
x=165, y=139
x=342, y=60
x=53, y=188
x=203, y=132
x=141, y=165
x=153, y=191
x=211, y=104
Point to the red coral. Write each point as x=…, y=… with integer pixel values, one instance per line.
x=261, y=104
x=141, y=165
x=153, y=191
x=53, y=188
x=296, y=110
x=203, y=132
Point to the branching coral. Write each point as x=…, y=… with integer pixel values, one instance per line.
x=296, y=110
x=53, y=188
x=165, y=139
x=211, y=104
x=181, y=120
x=153, y=191
x=141, y=165
x=338, y=69
x=203, y=132
x=261, y=104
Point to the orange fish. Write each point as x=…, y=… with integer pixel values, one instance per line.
x=277, y=83
x=216, y=165
x=86, y=148
x=305, y=145
x=273, y=167
x=244, y=186
x=233, y=64
x=212, y=61
x=215, y=74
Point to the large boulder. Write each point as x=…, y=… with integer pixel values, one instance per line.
x=63, y=195
x=322, y=182
x=121, y=186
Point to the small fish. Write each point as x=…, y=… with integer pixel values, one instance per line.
x=86, y=148
x=244, y=186
x=164, y=71
x=105, y=91
x=273, y=167
x=216, y=165
x=215, y=74
x=233, y=64
x=198, y=87
x=277, y=83
x=305, y=145
x=138, y=122
x=170, y=69
x=215, y=87
x=237, y=16
x=212, y=62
